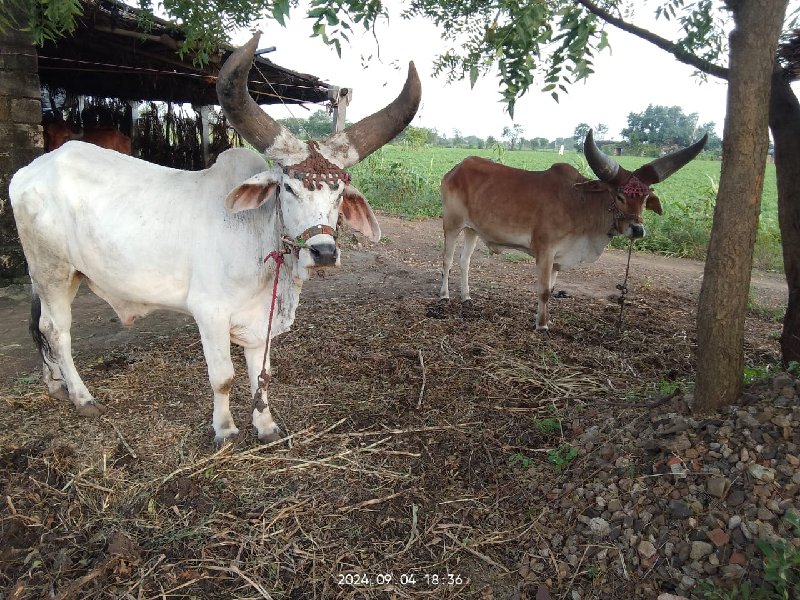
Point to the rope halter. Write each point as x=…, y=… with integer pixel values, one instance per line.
x=314, y=171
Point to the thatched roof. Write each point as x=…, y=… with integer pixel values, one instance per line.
x=110, y=55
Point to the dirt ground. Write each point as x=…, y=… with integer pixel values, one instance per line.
x=406, y=264
x=416, y=446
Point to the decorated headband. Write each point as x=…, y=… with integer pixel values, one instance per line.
x=316, y=170
x=634, y=187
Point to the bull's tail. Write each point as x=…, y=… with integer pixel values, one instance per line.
x=36, y=333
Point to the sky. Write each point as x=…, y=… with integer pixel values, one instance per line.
x=628, y=77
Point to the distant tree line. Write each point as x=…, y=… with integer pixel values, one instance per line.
x=656, y=130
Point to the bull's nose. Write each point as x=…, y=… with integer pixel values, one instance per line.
x=324, y=255
x=637, y=231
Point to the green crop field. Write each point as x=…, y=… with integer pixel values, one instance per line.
x=405, y=182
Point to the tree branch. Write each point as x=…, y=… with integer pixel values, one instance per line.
x=679, y=53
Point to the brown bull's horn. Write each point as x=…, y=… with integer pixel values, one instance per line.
x=661, y=168
x=602, y=165
x=245, y=115
x=358, y=141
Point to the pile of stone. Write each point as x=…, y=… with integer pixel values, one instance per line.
x=669, y=501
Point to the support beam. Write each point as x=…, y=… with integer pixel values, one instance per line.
x=340, y=98
x=135, y=108
x=205, y=138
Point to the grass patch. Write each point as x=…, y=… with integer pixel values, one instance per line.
x=548, y=425
x=767, y=313
x=561, y=457
x=515, y=256
x=756, y=373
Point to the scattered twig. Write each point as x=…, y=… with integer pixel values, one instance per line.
x=259, y=588
x=121, y=439
x=408, y=431
x=71, y=591
x=652, y=403
x=474, y=552
x=576, y=573
x=422, y=389
x=372, y=501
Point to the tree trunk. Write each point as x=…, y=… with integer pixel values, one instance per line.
x=726, y=280
x=21, y=135
x=784, y=121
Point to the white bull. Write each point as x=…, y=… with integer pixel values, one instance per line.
x=146, y=237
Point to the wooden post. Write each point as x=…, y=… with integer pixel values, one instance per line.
x=204, y=133
x=340, y=98
x=135, y=106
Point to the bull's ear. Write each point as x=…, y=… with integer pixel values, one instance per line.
x=593, y=186
x=357, y=214
x=252, y=193
x=654, y=204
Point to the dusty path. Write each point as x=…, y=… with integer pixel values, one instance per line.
x=405, y=264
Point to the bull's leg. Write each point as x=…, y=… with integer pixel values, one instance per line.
x=470, y=240
x=553, y=278
x=544, y=287
x=51, y=317
x=266, y=428
x=450, y=239
x=51, y=372
x=215, y=335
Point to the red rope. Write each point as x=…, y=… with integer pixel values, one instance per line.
x=263, y=378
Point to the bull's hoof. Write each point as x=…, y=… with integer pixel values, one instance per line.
x=227, y=437
x=469, y=311
x=272, y=434
x=91, y=409
x=438, y=309
x=59, y=392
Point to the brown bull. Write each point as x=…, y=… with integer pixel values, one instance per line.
x=58, y=133
x=558, y=215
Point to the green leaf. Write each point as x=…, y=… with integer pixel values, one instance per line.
x=280, y=10
x=473, y=75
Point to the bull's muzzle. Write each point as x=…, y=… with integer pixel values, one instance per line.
x=323, y=255
x=637, y=231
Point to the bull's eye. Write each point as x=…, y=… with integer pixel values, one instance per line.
x=287, y=188
x=621, y=199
